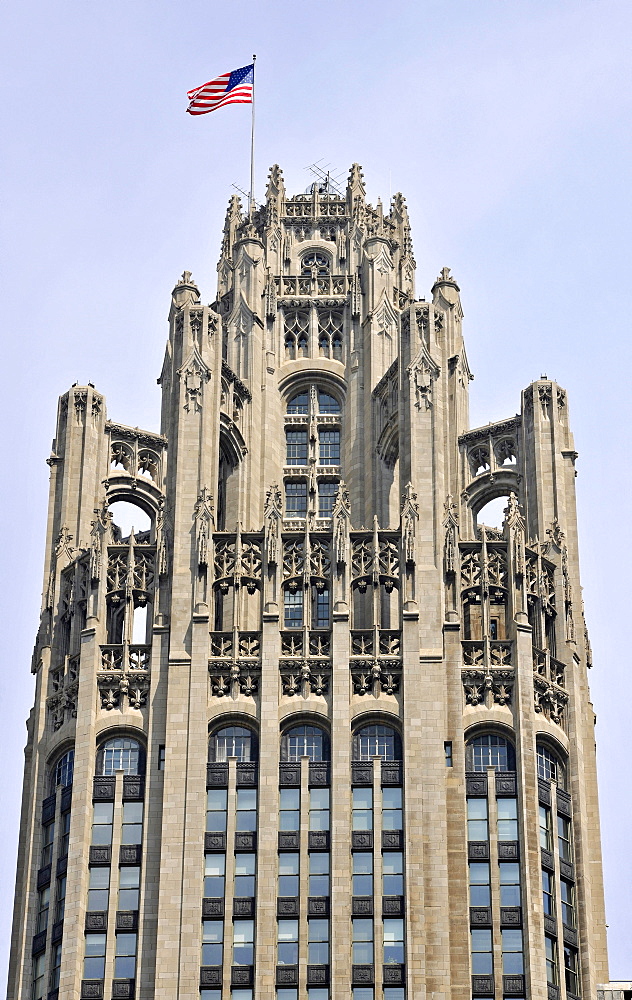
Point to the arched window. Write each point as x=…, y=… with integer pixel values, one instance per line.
x=305, y=741
x=318, y=260
x=377, y=741
x=550, y=767
x=233, y=741
x=299, y=403
x=490, y=750
x=121, y=754
x=327, y=403
x=63, y=771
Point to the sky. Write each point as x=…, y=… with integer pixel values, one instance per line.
x=505, y=123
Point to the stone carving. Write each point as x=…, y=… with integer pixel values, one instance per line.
x=203, y=516
x=341, y=518
x=304, y=678
x=549, y=700
x=232, y=679
x=544, y=395
x=422, y=372
x=409, y=518
x=194, y=373
x=451, y=541
x=488, y=688
x=374, y=676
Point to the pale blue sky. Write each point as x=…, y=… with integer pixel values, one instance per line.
x=506, y=124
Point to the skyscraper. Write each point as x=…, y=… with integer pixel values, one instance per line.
x=312, y=730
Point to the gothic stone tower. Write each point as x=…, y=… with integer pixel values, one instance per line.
x=352, y=756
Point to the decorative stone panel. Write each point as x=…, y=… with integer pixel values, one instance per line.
x=214, y=841
x=510, y=916
x=243, y=906
x=505, y=785
x=480, y=916
x=127, y=920
x=133, y=787
x=241, y=975
x=318, y=906
x=362, y=975
x=392, y=906
x=317, y=975
x=553, y=992
x=362, y=840
x=290, y=774
x=43, y=877
x=513, y=986
x=546, y=857
x=289, y=841
x=53, y=995
x=57, y=932
x=287, y=975
x=97, y=920
x=100, y=855
x=570, y=936
x=361, y=773
x=66, y=799
x=476, y=785
x=217, y=775
x=103, y=789
x=392, y=839
x=48, y=809
x=130, y=854
x=246, y=774
x=478, y=850
x=318, y=840
x=62, y=865
x=483, y=986
x=211, y=975
x=393, y=974
x=391, y=772
x=318, y=776
x=39, y=943
x=213, y=907
x=508, y=850
x=567, y=870
x=245, y=841
x=123, y=988
x=564, y=803
x=544, y=792
x=287, y=906
x=550, y=925
x=91, y=989
x=362, y=906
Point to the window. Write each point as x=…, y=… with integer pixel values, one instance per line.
x=216, y=805
x=287, y=953
x=99, y=889
x=362, y=993
x=567, y=891
x=63, y=772
x=319, y=809
x=290, y=809
x=245, y=875
x=330, y=334
x=328, y=447
x=392, y=809
x=546, y=839
x=162, y=753
x=362, y=808
x=125, y=956
x=318, y=874
x=293, y=608
x=482, y=964
x=327, y=403
x=490, y=750
x=571, y=970
x=39, y=965
x=120, y=754
x=243, y=942
x=129, y=887
x=94, y=961
x=55, y=966
x=320, y=607
x=233, y=741
x=214, y=875
x=513, y=962
x=377, y=741
x=548, y=893
x=212, y=942
x=394, y=993
x=64, y=834
x=447, y=749
x=564, y=841
x=60, y=905
x=479, y=883
x=102, y=816
x=43, y=903
x=296, y=327
x=305, y=741
x=246, y=819
x=318, y=942
x=477, y=825
x=212, y=994
x=241, y=995
x=392, y=873
x=550, y=947
x=47, y=844
x=132, y=829
x=393, y=941
x=507, y=810
x=318, y=993
x=313, y=259
x=288, y=874
x=295, y=499
x=296, y=447
x=509, y=872
x=362, y=873
x=362, y=941
x=299, y=403
x=286, y=994
x=327, y=492
x=549, y=766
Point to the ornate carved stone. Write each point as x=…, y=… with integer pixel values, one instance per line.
x=122, y=988
x=317, y=975
x=362, y=840
x=362, y=906
x=288, y=906
x=480, y=916
x=212, y=907
x=362, y=975
x=393, y=974
x=217, y=775
x=96, y=921
x=211, y=975
x=214, y=841
x=478, y=850
x=510, y=916
x=287, y=975
x=91, y=989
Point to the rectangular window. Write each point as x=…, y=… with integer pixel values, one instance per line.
x=571, y=970
x=362, y=873
x=286, y=994
x=546, y=842
x=362, y=941
x=320, y=607
x=362, y=993
x=132, y=831
x=60, y=906
x=293, y=609
x=327, y=493
x=550, y=948
x=210, y=995
x=548, y=893
x=318, y=942
x=99, y=889
x=216, y=805
x=392, y=873
x=507, y=819
x=568, y=903
x=447, y=749
x=38, y=990
x=129, y=887
x=295, y=499
x=243, y=942
x=64, y=834
x=162, y=752
x=287, y=953
x=288, y=874
x=362, y=809
x=212, y=942
x=246, y=817
x=564, y=843
x=482, y=964
x=513, y=963
x=43, y=903
x=245, y=875
x=318, y=874
x=125, y=956
x=392, y=809
x=493, y=628
x=47, y=844
x=103, y=813
x=94, y=961
x=318, y=809
x=329, y=447
x=214, y=873
x=480, y=891
x=394, y=993
x=296, y=447
x=393, y=941
x=55, y=966
x=290, y=809
x=477, y=828
x=241, y=995
x=509, y=883
x=318, y=993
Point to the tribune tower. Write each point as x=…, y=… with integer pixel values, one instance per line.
x=312, y=730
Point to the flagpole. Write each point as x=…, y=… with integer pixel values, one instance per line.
x=252, y=142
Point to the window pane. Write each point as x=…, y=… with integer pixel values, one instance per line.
x=296, y=447
x=295, y=499
x=293, y=609
x=490, y=751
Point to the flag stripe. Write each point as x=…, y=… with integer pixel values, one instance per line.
x=230, y=88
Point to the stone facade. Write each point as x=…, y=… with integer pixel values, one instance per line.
x=315, y=559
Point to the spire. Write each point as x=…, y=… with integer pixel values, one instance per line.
x=355, y=187
x=186, y=292
x=232, y=221
x=275, y=195
x=445, y=278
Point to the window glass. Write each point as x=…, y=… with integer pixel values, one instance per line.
x=214, y=873
x=548, y=893
x=394, y=993
x=327, y=492
x=99, y=889
x=317, y=993
x=64, y=770
x=287, y=994
x=549, y=766
x=567, y=891
x=55, y=966
x=295, y=499
x=362, y=873
x=477, y=827
x=299, y=403
x=318, y=941
x=513, y=963
x=94, y=961
x=316, y=260
x=246, y=819
x=564, y=845
x=545, y=828
x=64, y=834
x=296, y=447
x=132, y=829
x=212, y=941
x=304, y=741
x=392, y=873
x=243, y=942
x=362, y=808
x=393, y=941
x=319, y=873
x=550, y=948
x=233, y=741
x=479, y=883
x=362, y=940
x=103, y=813
x=290, y=809
x=287, y=942
x=210, y=995
x=293, y=608
x=245, y=875
x=509, y=872
x=125, y=956
x=328, y=447
x=507, y=810
x=129, y=885
x=47, y=844
x=327, y=403
x=571, y=970
x=121, y=754
x=320, y=617
x=392, y=809
x=38, y=989
x=362, y=993
x=241, y=994
x=490, y=750
x=60, y=907
x=43, y=904
x=319, y=809
x=288, y=874
x=216, y=802
x=482, y=964
x=377, y=741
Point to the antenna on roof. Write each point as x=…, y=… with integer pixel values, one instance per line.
x=241, y=191
x=327, y=179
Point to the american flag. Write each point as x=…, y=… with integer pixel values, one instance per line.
x=230, y=88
